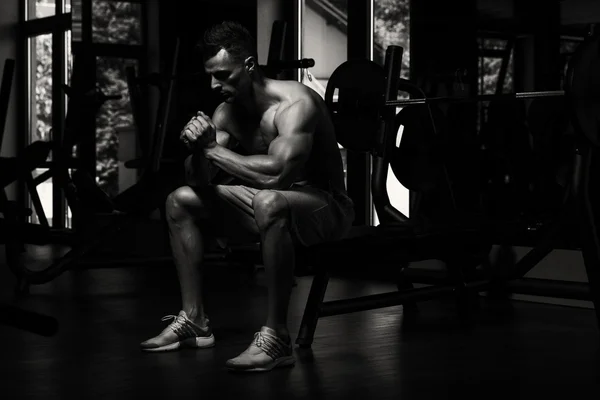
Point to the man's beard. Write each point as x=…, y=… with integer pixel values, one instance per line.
x=227, y=97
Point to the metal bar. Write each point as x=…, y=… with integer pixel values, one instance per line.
x=544, y=246
x=41, y=26
x=382, y=300
x=531, y=286
x=35, y=199
x=504, y=67
x=532, y=95
x=313, y=309
x=539, y=287
x=162, y=119
x=59, y=207
x=276, y=45
x=5, y=90
x=551, y=288
x=485, y=97
x=22, y=97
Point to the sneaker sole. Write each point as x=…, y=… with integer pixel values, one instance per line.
x=289, y=361
x=195, y=343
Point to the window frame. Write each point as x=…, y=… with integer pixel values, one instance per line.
x=58, y=25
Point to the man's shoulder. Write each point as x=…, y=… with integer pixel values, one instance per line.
x=297, y=95
x=296, y=90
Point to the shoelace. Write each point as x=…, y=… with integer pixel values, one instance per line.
x=183, y=327
x=271, y=345
x=178, y=321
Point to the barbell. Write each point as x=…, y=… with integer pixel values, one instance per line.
x=480, y=98
x=355, y=97
x=362, y=96
x=362, y=99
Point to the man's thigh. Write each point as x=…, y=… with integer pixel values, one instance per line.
x=231, y=213
x=316, y=215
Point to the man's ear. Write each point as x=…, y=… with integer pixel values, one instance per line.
x=250, y=64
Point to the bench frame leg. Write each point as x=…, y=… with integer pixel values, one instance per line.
x=313, y=309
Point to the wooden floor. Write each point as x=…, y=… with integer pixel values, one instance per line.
x=543, y=352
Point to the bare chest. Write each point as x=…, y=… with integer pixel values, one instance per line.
x=254, y=136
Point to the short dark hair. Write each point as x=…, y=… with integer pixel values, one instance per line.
x=231, y=36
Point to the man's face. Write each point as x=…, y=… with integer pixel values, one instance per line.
x=228, y=77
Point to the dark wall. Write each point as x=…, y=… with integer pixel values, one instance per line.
x=188, y=20
x=542, y=18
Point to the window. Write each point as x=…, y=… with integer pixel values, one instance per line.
x=116, y=22
x=117, y=33
x=391, y=26
x=40, y=9
x=43, y=69
x=113, y=116
x=495, y=71
x=495, y=66
x=323, y=32
x=40, y=106
x=323, y=36
x=40, y=116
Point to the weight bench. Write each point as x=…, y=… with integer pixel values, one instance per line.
x=390, y=247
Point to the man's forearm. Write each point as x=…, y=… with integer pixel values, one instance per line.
x=198, y=170
x=259, y=171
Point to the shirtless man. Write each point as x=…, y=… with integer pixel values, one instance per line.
x=277, y=142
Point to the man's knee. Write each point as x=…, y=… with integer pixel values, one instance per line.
x=182, y=202
x=269, y=207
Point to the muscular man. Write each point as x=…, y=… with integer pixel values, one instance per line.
x=277, y=142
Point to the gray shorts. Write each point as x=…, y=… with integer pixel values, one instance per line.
x=317, y=215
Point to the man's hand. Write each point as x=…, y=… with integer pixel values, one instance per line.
x=200, y=132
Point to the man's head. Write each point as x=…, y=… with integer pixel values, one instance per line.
x=230, y=58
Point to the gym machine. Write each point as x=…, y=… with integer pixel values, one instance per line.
x=366, y=120
x=12, y=169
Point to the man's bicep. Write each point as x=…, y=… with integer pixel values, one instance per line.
x=296, y=127
x=224, y=138
x=292, y=147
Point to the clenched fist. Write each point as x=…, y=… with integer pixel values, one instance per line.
x=200, y=132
